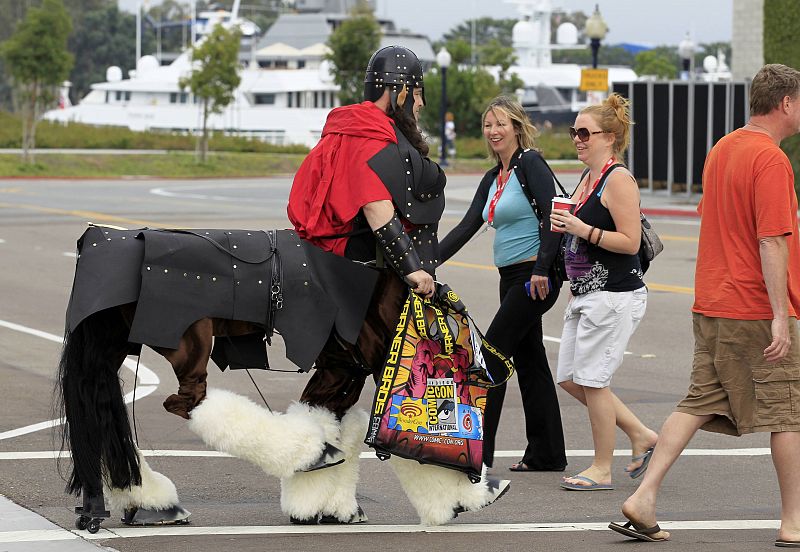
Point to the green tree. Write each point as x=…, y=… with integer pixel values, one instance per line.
x=13, y=11
x=351, y=45
x=607, y=55
x=469, y=89
x=781, y=17
x=103, y=37
x=652, y=62
x=214, y=78
x=38, y=61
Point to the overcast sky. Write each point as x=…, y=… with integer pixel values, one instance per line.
x=651, y=22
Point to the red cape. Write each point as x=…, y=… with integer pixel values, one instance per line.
x=334, y=182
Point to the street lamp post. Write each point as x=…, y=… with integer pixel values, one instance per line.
x=596, y=30
x=443, y=59
x=686, y=52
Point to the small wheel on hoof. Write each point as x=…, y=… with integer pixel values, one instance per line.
x=94, y=525
x=81, y=523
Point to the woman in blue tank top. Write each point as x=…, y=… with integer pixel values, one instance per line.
x=609, y=296
x=524, y=251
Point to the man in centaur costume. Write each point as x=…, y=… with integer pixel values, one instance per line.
x=369, y=192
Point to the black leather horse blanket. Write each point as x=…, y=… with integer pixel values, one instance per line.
x=176, y=277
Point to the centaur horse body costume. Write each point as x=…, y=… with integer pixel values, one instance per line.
x=319, y=286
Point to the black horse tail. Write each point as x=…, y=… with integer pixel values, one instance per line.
x=90, y=398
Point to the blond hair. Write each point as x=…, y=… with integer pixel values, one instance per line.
x=523, y=128
x=613, y=116
x=772, y=83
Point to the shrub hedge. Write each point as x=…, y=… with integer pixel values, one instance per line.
x=781, y=21
x=76, y=135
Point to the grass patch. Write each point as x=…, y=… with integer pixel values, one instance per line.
x=80, y=136
x=184, y=165
x=171, y=165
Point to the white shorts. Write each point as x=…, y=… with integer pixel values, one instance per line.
x=597, y=328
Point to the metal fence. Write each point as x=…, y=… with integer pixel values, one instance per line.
x=676, y=124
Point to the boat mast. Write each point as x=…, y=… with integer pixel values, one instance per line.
x=138, y=33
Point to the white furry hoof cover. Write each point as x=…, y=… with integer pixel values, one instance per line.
x=156, y=493
x=278, y=443
x=329, y=494
x=439, y=494
x=358, y=517
x=331, y=456
x=176, y=515
x=319, y=519
x=495, y=487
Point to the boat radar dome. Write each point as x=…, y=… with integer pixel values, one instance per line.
x=146, y=65
x=113, y=74
x=567, y=34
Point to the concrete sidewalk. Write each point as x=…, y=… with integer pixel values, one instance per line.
x=24, y=531
x=675, y=205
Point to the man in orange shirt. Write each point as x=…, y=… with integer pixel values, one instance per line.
x=746, y=369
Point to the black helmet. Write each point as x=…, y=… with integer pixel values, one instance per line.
x=392, y=67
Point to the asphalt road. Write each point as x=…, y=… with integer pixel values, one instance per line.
x=727, y=483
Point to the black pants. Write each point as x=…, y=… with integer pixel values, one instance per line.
x=517, y=331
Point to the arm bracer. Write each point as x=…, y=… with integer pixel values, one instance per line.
x=397, y=247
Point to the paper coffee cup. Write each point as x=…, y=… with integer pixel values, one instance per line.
x=565, y=203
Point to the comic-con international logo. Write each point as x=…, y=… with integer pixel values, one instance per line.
x=466, y=423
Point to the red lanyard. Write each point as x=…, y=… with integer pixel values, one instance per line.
x=585, y=198
x=501, y=185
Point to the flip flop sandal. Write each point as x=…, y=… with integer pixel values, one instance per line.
x=630, y=529
x=645, y=458
x=592, y=484
x=787, y=544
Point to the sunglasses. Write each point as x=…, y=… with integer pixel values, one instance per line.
x=584, y=134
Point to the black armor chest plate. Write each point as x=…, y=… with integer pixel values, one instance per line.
x=417, y=187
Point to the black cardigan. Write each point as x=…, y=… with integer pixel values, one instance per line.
x=538, y=183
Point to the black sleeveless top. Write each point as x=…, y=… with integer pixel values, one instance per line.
x=592, y=268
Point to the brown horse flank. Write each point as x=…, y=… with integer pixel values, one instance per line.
x=175, y=291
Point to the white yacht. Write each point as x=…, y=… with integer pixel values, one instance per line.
x=281, y=106
x=551, y=92
x=286, y=89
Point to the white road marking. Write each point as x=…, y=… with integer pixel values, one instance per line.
x=184, y=193
x=70, y=254
x=369, y=455
x=184, y=531
x=148, y=381
x=192, y=530
x=2, y=240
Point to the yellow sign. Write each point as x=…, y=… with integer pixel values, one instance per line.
x=594, y=79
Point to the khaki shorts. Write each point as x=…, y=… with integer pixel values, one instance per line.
x=731, y=379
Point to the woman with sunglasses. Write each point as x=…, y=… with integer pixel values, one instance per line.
x=609, y=296
x=524, y=251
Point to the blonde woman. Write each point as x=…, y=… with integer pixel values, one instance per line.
x=609, y=296
x=524, y=251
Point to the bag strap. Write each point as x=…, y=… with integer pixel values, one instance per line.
x=491, y=349
x=526, y=187
x=417, y=312
x=421, y=324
